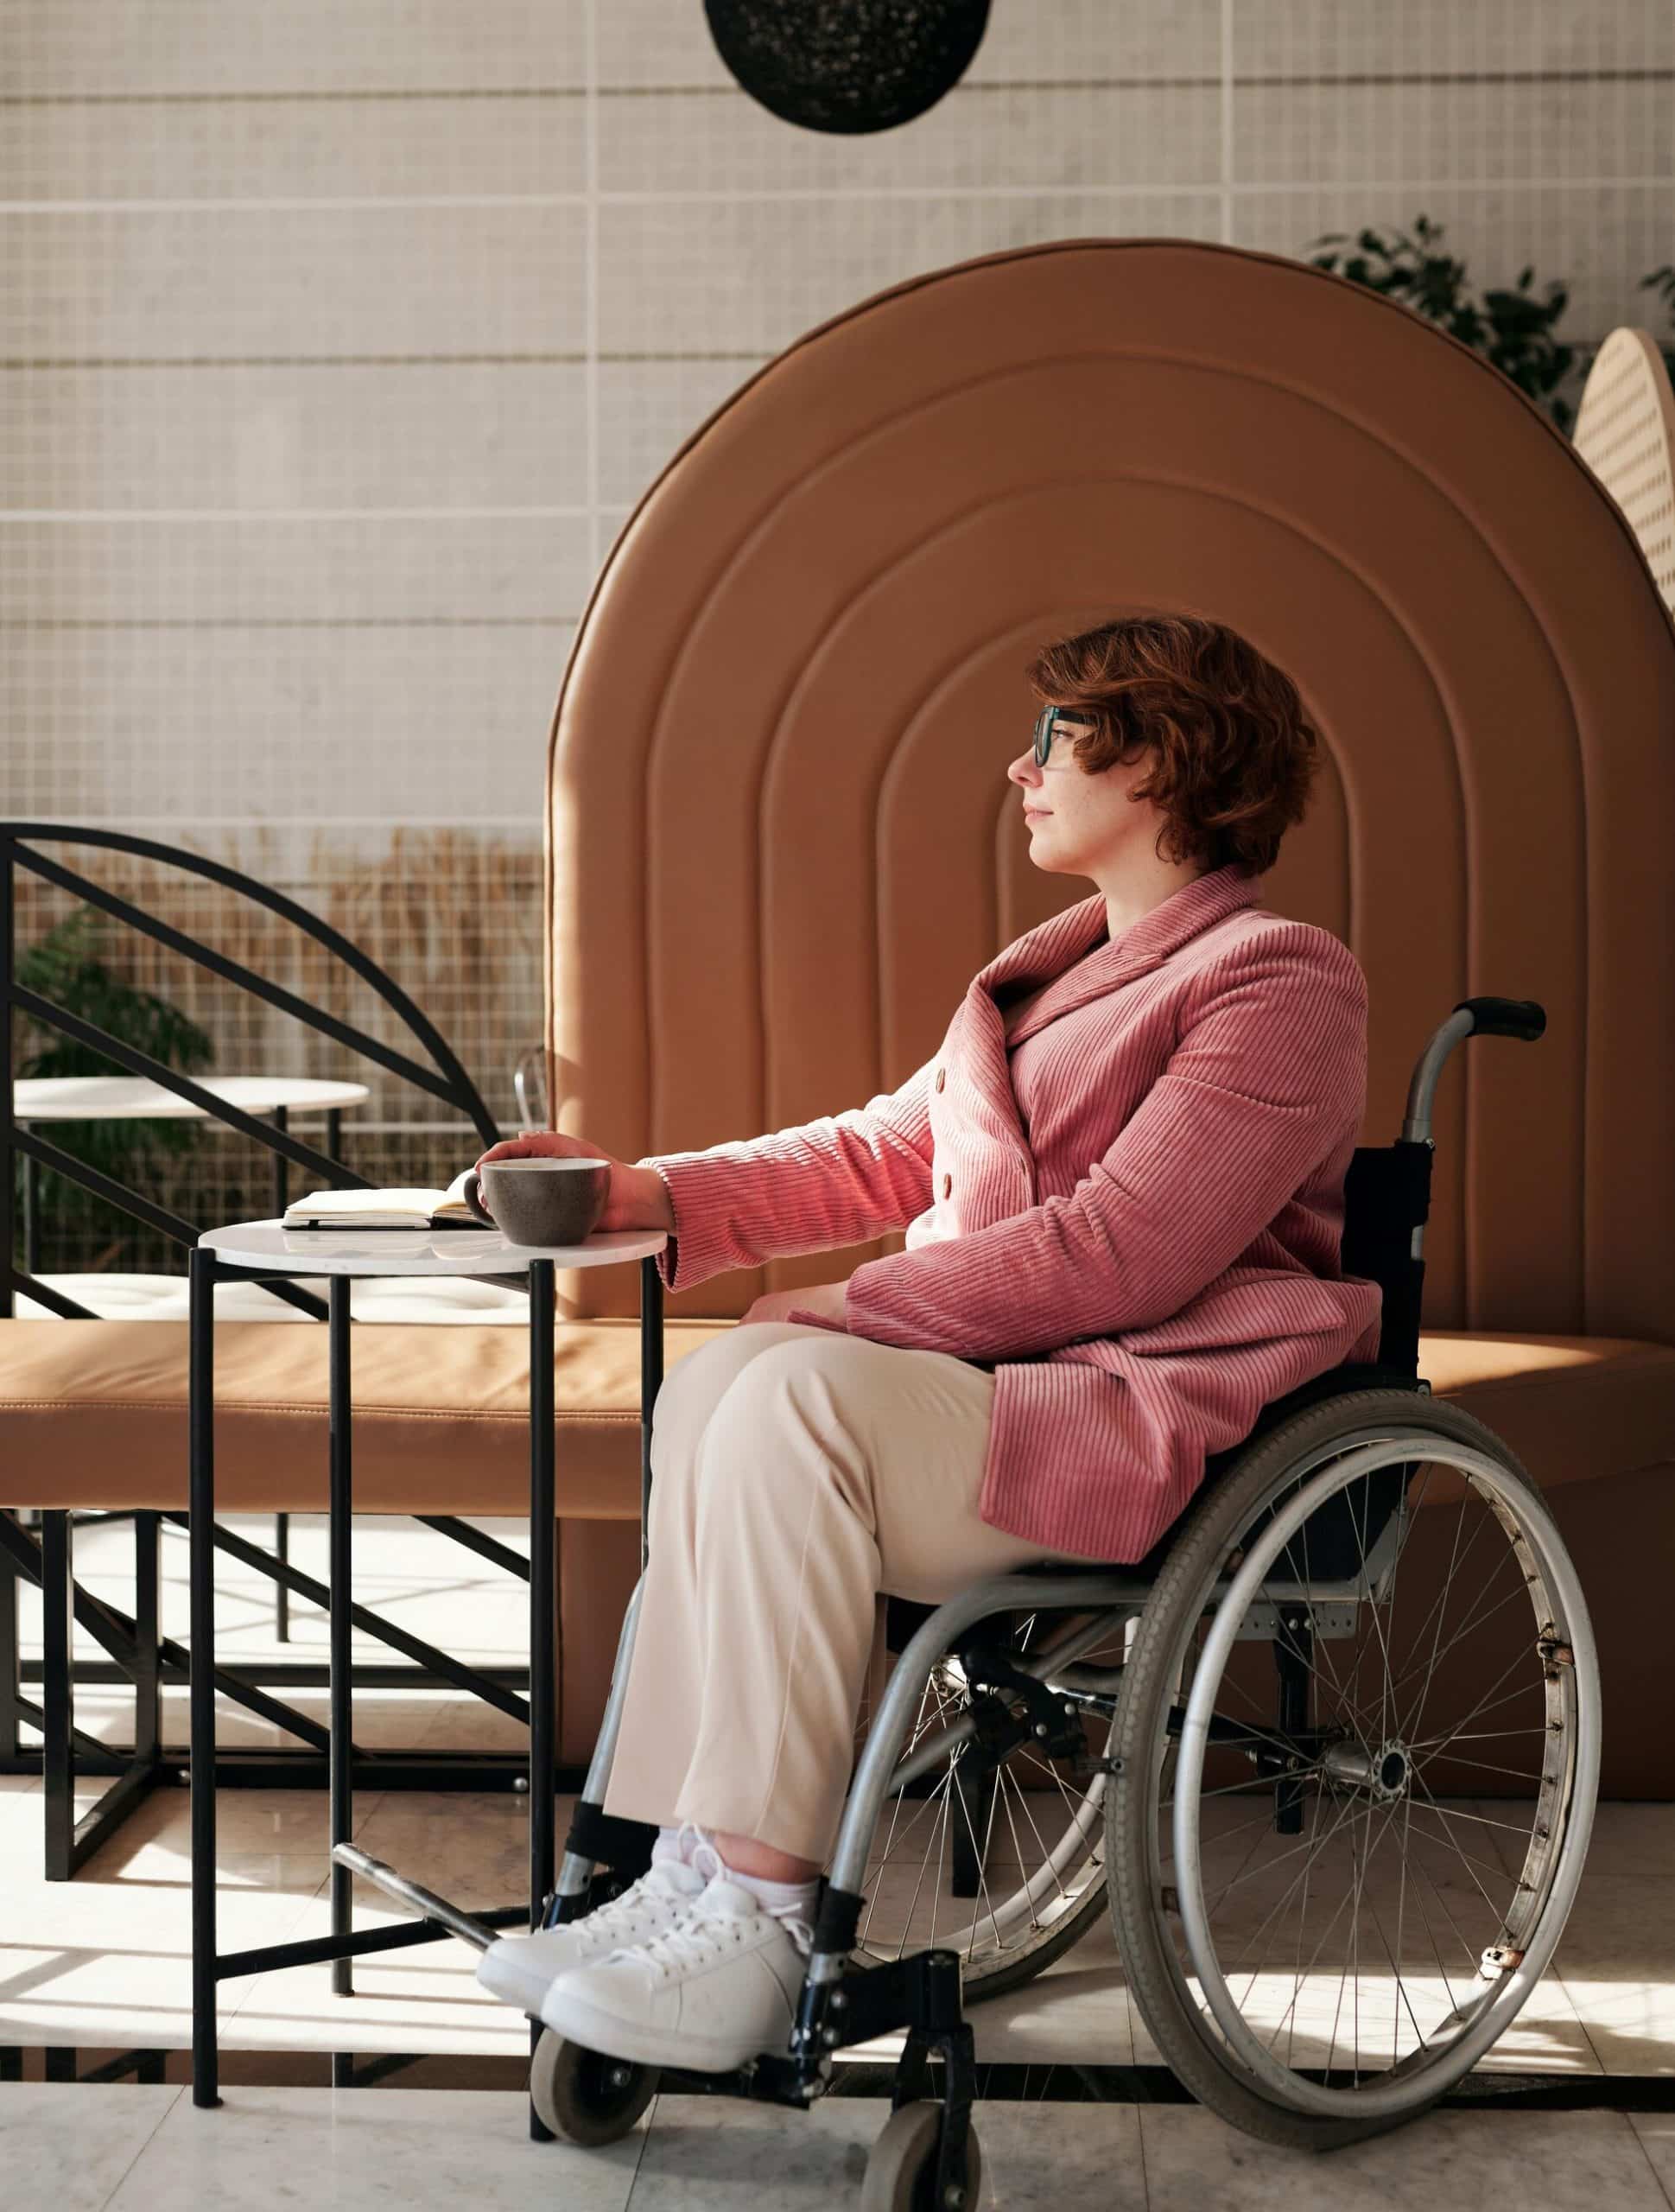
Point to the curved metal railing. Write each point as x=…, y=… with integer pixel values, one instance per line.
x=444, y=1079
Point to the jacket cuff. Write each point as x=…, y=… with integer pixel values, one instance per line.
x=673, y=1271
x=698, y=1245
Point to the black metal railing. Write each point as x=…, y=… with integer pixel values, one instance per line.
x=446, y=1080
x=136, y=1650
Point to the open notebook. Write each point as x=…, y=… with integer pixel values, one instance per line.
x=389, y=1209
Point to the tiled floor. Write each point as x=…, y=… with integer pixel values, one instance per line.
x=103, y=1963
x=148, y=2150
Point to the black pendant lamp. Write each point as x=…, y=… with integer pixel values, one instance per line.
x=847, y=65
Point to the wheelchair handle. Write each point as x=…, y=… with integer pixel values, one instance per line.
x=1526, y=1019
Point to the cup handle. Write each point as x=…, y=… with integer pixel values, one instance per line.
x=473, y=1186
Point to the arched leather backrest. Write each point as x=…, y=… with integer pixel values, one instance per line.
x=780, y=841
x=1626, y=432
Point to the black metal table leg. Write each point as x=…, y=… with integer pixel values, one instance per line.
x=334, y=1132
x=282, y=1167
x=543, y=1573
x=200, y=1506
x=652, y=1376
x=9, y=1677
x=31, y=1210
x=281, y=1595
x=148, y=1638
x=57, y=1693
x=342, y=1772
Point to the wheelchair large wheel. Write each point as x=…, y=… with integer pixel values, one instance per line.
x=1001, y=1861
x=1371, y=1612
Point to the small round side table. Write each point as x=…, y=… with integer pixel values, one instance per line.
x=256, y=1250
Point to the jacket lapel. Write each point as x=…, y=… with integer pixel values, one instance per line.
x=1055, y=947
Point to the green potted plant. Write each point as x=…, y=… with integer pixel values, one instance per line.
x=1514, y=329
x=66, y=967
x=1662, y=281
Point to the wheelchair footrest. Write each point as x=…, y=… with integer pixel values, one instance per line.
x=920, y=1993
x=425, y=1902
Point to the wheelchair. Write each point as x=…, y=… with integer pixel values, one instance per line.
x=1225, y=1746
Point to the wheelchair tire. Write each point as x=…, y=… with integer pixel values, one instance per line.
x=901, y=2168
x=1229, y=1538
x=584, y=2097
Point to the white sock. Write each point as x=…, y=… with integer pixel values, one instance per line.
x=784, y=1900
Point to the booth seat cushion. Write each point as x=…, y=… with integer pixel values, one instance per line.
x=93, y=1414
x=1574, y=1410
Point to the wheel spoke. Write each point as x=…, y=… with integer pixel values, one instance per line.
x=1518, y=1658
x=1321, y=1842
x=1475, y=1622
x=1057, y=1843
x=1464, y=1857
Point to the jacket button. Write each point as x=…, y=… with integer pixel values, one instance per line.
x=942, y=1078
x=948, y=1185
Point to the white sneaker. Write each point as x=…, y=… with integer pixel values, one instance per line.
x=717, y=1988
x=521, y=1968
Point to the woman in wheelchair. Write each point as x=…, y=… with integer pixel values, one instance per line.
x=1235, y=1631
x=1141, y=1114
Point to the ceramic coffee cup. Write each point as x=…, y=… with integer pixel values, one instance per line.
x=540, y=1201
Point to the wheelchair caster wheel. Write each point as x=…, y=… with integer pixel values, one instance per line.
x=584, y=2096
x=901, y=2170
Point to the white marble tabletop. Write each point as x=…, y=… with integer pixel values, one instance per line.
x=137, y=1097
x=417, y=1251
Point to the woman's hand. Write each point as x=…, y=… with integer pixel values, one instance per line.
x=637, y=1196
x=824, y=1297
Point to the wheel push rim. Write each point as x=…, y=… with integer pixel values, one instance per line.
x=1037, y=1838
x=1378, y=1774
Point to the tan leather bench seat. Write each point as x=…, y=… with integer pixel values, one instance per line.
x=1574, y=1410
x=93, y=1414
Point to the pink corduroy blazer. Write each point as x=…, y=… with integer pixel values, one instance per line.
x=1153, y=1262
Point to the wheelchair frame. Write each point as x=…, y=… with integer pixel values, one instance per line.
x=843, y=2003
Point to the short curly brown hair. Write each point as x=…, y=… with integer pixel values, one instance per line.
x=1236, y=756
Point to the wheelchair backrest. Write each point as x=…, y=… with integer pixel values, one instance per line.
x=1387, y=1196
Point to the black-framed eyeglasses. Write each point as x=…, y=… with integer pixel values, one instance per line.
x=1049, y=722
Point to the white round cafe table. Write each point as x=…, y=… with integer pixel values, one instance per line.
x=268, y=1247
x=283, y=1251
x=137, y=1098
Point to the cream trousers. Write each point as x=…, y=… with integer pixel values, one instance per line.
x=796, y=1473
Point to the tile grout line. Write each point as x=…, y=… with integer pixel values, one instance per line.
x=1139, y=2132
x=590, y=307
x=150, y=2138
x=775, y=196
x=646, y=2144
x=322, y=1889
x=1227, y=122
x=1174, y=81
x=1656, y=2176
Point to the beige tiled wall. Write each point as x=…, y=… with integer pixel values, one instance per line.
x=339, y=336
